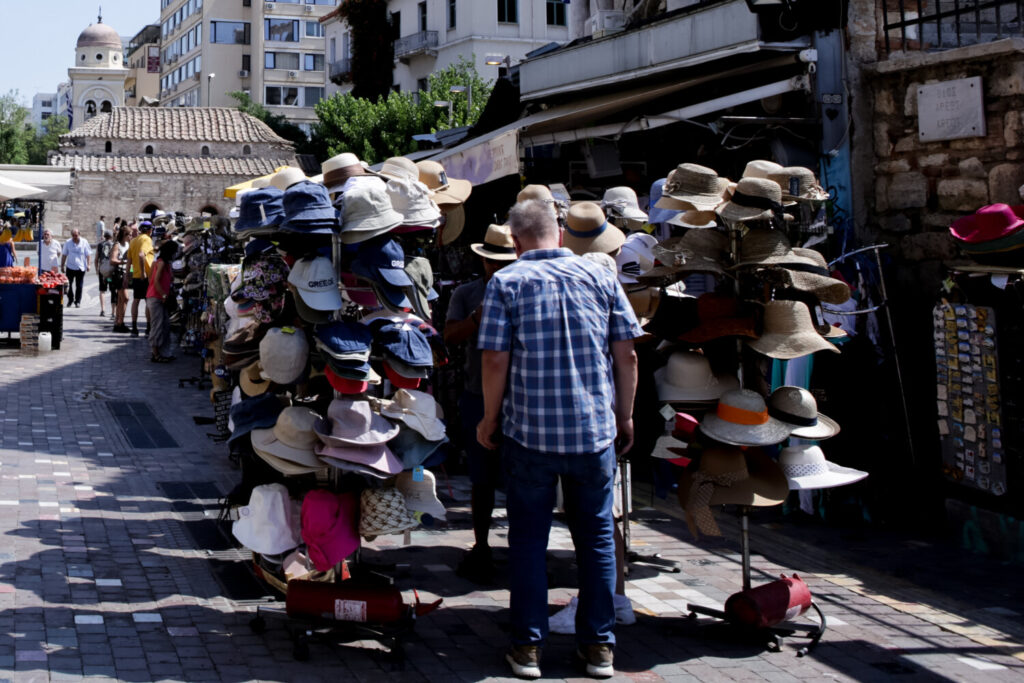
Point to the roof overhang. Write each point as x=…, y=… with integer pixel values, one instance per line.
x=55, y=180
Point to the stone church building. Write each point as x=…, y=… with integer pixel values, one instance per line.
x=138, y=159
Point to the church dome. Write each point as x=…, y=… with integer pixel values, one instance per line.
x=99, y=35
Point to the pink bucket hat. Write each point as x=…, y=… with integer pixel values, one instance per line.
x=329, y=527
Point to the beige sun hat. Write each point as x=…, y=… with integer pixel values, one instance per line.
x=688, y=377
x=251, y=380
x=802, y=269
x=698, y=251
x=799, y=184
x=761, y=168
x=539, y=192
x=691, y=186
x=622, y=202
x=789, y=332
x=446, y=190
x=454, y=222
x=399, y=167
x=338, y=169
x=287, y=177
x=292, y=438
x=796, y=407
x=588, y=230
x=497, y=244
x=754, y=199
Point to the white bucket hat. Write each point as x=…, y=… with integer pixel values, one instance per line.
x=418, y=410
x=400, y=168
x=636, y=258
x=367, y=212
x=269, y=524
x=806, y=468
x=796, y=406
x=621, y=202
x=421, y=495
x=316, y=283
x=742, y=419
x=353, y=423
x=287, y=177
x=411, y=198
x=283, y=354
x=687, y=377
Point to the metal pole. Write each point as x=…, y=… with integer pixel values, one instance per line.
x=745, y=543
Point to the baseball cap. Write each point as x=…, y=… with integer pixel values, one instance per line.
x=317, y=283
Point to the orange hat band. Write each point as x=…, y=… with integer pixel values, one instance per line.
x=740, y=416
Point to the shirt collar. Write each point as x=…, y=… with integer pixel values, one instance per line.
x=541, y=254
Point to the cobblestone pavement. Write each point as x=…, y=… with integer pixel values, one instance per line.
x=104, y=570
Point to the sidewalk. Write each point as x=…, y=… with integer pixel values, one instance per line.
x=111, y=564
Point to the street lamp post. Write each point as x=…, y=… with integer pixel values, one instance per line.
x=445, y=103
x=209, y=81
x=469, y=97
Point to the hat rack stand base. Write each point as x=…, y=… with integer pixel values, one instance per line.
x=772, y=636
x=633, y=556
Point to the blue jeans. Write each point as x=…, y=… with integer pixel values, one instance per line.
x=530, y=480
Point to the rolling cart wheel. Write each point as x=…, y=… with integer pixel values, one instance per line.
x=801, y=652
x=258, y=625
x=300, y=651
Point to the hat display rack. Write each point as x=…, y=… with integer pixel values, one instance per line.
x=767, y=306
x=322, y=337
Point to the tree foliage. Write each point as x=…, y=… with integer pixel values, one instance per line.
x=372, y=47
x=46, y=139
x=14, y=135
x=377, y=129
x=279, y=124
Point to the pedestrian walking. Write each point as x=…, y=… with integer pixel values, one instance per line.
x=101, y=227
x=140, y=256
x=49, y=257
x=103, y=270
x=558, y=365
x=120, y=277
x=158, y=292
x=464, y=314
x=74, y=262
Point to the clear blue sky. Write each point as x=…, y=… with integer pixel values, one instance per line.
x=38, y=45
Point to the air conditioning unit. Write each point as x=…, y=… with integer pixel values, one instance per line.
x=268, y=7
x=603, y=22
x=244, y=73
x=309, y=9
x=293, y=74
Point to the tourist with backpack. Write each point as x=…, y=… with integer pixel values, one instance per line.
x=104, y=269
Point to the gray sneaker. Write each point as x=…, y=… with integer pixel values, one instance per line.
x=525, y=660
x=598, y=658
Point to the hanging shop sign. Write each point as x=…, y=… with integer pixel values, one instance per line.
x=495, y=158
x=951, y=110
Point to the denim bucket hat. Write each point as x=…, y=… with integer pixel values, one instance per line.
x=308, y=209
x=263, y=208
x=254, y=413
x=406, y=343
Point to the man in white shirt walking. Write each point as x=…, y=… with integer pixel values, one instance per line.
x=49, y=257
x=100, y=227
x=74, y=262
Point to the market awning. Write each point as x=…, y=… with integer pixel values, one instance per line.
x=232, y=192
x=54, y=180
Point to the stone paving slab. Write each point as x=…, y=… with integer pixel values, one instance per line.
x=100, y=580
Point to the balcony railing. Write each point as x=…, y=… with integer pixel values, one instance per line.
x=415, y=44
x=936, y=25
x=340, y=70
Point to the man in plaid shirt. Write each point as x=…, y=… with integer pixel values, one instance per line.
x=558, y=362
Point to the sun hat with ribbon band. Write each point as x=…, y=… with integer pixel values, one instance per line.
x=799, y=184
x=816, y=279
x=729, y=476
x=789, y=332
x=806, y=468
x=754, y=199
x=588, y=230
x=742, y=419
x=691, y=186
x=497, y=244
x=622, y=202
x=338, y=169
x=796, y=407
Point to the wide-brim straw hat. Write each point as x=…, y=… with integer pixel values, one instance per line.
x=588, y=230
x=446, y=190
x=698, y=251
x=796, y=407
x=758, y=480
x=806, y=468
x=753, y=199
x=803, y=181
x=251, y=381
x=815, y=279
x=687, y=377
x=696, y=220
x=454, y=222
x=761, y=168
x=692, y=187
x=765, y=247
x=789, y=332
x=742, y=419
x=497, y=244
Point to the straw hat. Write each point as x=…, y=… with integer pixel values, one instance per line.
x=687, y=377
x=252, y=381
x=698, y=251
x=699, y=220
x=383, y=511
x=729, y=476
x=539, y=192
x=789, y=332
x=799, y=184
x=446, y=190
x=818, y=282
x=806, y=468
x=796, y=407
x=497, y=244
x=693, y=187
x=742, y=419
x=765, y=247
x=587, y=229
x=287, y=177
x=761, y=168
x=454, y=222
x=754, y=199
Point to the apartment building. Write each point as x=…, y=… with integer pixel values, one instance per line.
x=44, y=105
x=142, y=58
x=429, y=35
x=272, y=50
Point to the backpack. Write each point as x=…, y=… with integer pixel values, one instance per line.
x=103, y=250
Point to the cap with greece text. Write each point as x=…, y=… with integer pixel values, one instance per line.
x=382, y=262
x=317, y=283
x=406, y=343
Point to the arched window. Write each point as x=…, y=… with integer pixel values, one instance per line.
x=247, y=150
x=205, y=151
x=149, y=149
x=90, y=109
x=109, y=147
x=150, y=209
x=106, y=107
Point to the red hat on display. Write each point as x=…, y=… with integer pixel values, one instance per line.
x=986, y=224
x=343, y=385
x=398, y=380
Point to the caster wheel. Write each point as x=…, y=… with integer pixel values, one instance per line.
x=801, y=652
x=775, y=644
x=300, y=651
x=258, y=625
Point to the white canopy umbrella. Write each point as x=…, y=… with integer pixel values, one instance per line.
x=13, y=189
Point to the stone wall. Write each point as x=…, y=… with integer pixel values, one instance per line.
x=186, y=148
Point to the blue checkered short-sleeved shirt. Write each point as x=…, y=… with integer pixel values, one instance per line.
x=557, y=314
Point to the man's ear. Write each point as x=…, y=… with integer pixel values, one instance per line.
x=518, y=245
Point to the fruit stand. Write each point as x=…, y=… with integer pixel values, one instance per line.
x=26, y=290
